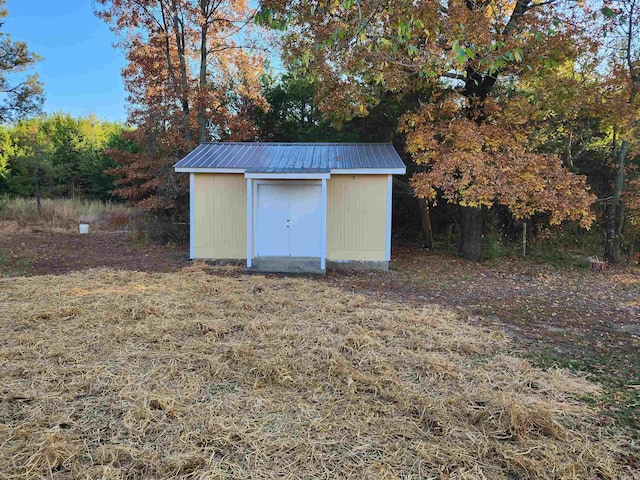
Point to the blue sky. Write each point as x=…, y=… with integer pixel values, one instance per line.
x=81, y=68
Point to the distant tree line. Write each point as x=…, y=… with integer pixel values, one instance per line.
x=60, y=156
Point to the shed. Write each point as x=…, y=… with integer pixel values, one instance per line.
x=292, y=206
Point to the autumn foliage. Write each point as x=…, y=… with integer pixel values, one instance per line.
x=189, y=81
x=471, y=136
x=476, y=164
x=509, y=103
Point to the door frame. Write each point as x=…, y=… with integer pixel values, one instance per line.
x=253, y=180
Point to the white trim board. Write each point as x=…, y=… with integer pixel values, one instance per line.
x=369, y=171
x=208, y=170
x=334, y=171
x=249, y=222
x=254, y=215
x=301, y=181
x=287, y=176
x=192, y=210
x=323, y=227
x=387, y=254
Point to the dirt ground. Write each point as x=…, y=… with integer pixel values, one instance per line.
x=576, y=318
x=38, y=251
x=575, y=309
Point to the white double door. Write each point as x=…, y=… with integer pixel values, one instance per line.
x=288, y=220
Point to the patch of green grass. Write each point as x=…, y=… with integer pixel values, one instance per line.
x=15, y=267
x=620, y=395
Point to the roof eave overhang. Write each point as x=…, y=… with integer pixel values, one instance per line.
x=208, y=170
x=369, y=171
x=334, y=171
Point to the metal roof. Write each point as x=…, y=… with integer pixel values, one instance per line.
x=259, y=157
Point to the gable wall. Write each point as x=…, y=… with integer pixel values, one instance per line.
x=356, y=217
x=220, y=216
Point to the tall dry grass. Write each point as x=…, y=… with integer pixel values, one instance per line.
x=67, y=213
x=116, y=375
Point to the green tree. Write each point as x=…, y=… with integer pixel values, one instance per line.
x=6, y=150
x=587, y=111
x=97, y=166
x=30, y=169
x=59, y=155
x=20, y=95
x=293, y=115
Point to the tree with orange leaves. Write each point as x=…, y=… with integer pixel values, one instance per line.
x=189, y=81
x=472, y=139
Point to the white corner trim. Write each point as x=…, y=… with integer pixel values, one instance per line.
x=255, y=198
x=323, y=227
x=387, y=255
x=249, y=222
x=192, y=222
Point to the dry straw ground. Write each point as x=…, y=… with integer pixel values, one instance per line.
x=114, y=375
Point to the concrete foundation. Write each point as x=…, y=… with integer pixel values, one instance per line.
x=358, y=265
x=295, y=265
x=299, y=265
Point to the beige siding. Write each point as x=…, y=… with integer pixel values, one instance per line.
x=220, y=216
x=356, y=217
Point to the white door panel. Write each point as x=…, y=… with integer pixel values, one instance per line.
x=305, y=218
x=272, y=232
x=289, y=220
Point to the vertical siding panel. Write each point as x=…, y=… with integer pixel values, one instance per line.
x=356, y=217
x=220, y=216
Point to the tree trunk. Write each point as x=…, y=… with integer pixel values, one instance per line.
x=614, y=211
x=165, y=11
x=180, y=38
x=632, y=250
x=202, y=114
x=614, y=217
x=470, y=241
x=425, y=223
